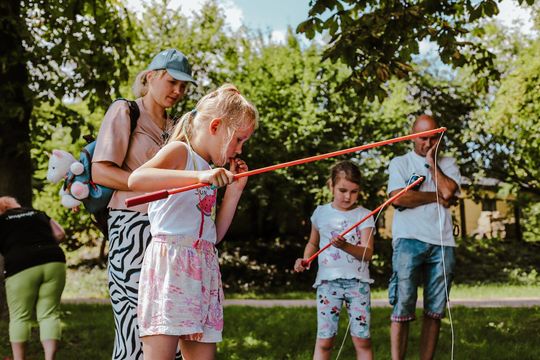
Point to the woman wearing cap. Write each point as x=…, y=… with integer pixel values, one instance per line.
x=119, y=151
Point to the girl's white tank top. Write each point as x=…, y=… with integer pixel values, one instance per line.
x=190, y=213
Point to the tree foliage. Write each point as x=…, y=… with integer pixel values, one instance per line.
x=506, y=139
x=78, y=49
x=60, y=125
x=377, y=39
x=52, y=51
x=303, y=112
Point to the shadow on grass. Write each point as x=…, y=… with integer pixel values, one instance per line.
x=87, y=333
x=289, y=333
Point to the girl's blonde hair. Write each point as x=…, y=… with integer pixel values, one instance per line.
x=8, y=202
x=140, y=85
x=225, y=103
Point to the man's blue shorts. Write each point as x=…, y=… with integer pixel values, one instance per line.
x=414, y=261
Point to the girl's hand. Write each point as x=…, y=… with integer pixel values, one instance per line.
x=339, y=242
x=298, y=267
x=218, y=177
x=238, y=166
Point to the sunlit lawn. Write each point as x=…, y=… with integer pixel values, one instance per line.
x=93, y=284
x=288, y=333
x=479, y=291
x=278, y=333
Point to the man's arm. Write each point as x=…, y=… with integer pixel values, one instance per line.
x=396, y=183
x=446, y=187
x=412, y=198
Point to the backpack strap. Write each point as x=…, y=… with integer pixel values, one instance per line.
x=134, y=113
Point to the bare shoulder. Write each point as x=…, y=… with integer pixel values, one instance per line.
x=173, y=155
x=176, y=147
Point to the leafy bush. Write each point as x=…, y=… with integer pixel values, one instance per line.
x=496, y=261
x=266, y=266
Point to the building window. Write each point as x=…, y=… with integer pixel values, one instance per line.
x=489, y=205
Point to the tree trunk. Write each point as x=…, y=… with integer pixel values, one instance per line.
x=16, y=108
x=15, y=163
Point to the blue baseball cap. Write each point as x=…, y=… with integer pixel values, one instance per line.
x=175, y=63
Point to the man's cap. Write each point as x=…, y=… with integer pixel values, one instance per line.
x=175, y=63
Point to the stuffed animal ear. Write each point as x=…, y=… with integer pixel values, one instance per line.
x=63, y=155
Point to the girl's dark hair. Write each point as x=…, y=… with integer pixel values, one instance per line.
x=346, y=169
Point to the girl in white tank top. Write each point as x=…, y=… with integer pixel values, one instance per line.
x=180, y=288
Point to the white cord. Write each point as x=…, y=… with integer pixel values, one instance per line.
x=442, y=247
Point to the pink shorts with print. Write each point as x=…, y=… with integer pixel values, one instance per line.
x=180, y=290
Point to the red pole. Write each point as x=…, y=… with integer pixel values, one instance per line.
x=308, y=261
x=162, y=194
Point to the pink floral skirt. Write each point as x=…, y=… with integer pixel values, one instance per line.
x=180, y=291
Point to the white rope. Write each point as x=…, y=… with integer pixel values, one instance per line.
x=442, y=249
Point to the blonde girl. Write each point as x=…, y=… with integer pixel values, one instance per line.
x=181, y=292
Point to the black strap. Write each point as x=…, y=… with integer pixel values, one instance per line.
x=134, y=113
x=88, y=158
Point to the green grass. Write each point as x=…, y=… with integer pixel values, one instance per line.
x=87, y=333
x=479, y=291
x=92, y=283
x=280, y=333
x=494, y=291
x=86, y=284
x=289, y=333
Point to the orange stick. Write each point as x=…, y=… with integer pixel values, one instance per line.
x=162, y=194
x=308, y=261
